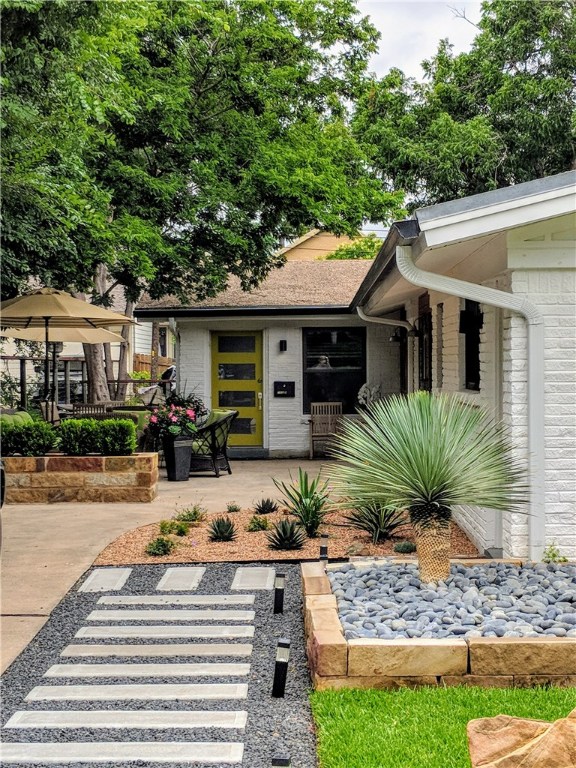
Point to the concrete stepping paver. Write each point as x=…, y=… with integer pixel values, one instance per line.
x=141, y=691
x=253, y=578
x=148, y=670
x=168, y=649
x=167, y=631
x=182, y=614
x=177, y=600
x=185, y=579
x=212, y=752
x=139, y=718
x=105, y=580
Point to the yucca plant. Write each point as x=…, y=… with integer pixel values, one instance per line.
x=306, y=499
x=265, y=507
x=379, y=521
x=286, y=534
x=222, y=529
x=426, y=453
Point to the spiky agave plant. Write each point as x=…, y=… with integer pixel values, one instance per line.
x=426, y=453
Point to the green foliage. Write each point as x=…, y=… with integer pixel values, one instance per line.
x=307, y=500
x=160, y=546
x=192, y=515
x=232, y=507
x=258, y=523
x=222, y=529
x=79, y=437
x=140, y=375
x=117, y=437
x=286, y=534
x=360, y=248
x=421, y=727
x=426, y=453
x=265, y=507
x=178, y=527
x=379, y=521
x=552, y=555
x=405, y=547
x=10, y=389
x=499, y=114
x=30, y=439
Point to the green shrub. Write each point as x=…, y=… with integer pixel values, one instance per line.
x=222, y=529
x=192, y=515
x=179, y=527
x=79, y=437
x=306, y=500
x=405, y=547
x=232, y=507
x=286, y=534
x=552, y=555
x=160, y=546
x=118, y=437
x=379, y=521
x=34, y=438
x=265, y=507
x=257, y=523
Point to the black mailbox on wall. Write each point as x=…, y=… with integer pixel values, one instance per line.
x=284, y=389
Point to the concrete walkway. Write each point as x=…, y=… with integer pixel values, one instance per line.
x=46, y=548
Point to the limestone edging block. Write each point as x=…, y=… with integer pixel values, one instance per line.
x=337, y=682
x=522, y=656
x=479, y=681
x=408, y=657
x=314, y=579
x=328, y=653
x=315, y=603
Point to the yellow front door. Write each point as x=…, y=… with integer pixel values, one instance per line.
x=237, y=382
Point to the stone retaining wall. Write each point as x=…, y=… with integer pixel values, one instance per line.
x=56, y=479
x=374, y=663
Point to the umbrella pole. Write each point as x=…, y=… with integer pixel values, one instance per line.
x=46, y=361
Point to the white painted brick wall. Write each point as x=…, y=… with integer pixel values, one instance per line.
x=193, y=363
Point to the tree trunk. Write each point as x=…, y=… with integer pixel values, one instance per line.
x=109, y=370
x=122, y=386
x=433, y=550
x=96, y=374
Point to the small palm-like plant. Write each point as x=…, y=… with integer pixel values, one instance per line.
x=306, y=499
x=380, y=522
x=286, y=534
x=426, y=453
x=222, y=529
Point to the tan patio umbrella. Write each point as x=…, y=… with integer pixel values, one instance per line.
x=48, y=308
x=81, y=335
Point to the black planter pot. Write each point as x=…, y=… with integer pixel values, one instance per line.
x=177, y=453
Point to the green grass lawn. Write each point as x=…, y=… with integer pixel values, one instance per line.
x=419, y=728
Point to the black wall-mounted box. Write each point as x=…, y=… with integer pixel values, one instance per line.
x=284, y=389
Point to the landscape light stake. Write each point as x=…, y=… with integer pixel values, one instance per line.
x=281, y=761
x=324, y=546
x=281, y=668
x=279, y=581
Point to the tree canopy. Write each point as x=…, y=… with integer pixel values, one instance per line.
x=360, y=248
x=178, y=142
x=500, y=114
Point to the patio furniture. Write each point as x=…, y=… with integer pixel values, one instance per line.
x=95, y=410
x=210, y=443
x=324, y=421
x=51, y=413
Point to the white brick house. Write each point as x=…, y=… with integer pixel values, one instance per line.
x=475, y=296
x=489, y=281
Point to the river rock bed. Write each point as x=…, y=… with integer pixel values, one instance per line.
x=389, y=601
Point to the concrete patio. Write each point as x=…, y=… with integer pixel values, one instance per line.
x=46, y=548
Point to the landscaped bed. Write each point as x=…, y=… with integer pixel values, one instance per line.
x=419, y=728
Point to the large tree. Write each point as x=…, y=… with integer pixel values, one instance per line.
x=500, y=114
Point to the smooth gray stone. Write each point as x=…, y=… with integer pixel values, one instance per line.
x=114, y=751
x=147, y=670
x=119, y=718
x=158, y=649
x=105, y=580
x=141, y=691
x=181, y=579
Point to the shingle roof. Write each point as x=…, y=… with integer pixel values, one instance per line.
x=297, y=284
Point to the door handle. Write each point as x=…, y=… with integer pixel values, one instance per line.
x=259, y=401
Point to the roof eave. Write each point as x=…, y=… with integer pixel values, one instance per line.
x=151, y=314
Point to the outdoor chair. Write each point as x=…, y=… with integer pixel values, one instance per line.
x=95, y=410
x=51, y=414
x=324, y=421
x=210, y=443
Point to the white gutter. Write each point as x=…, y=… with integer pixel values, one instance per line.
x=535, y=322
x=398, y=323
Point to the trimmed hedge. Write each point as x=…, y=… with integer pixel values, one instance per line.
x=35, y=438
x=75, y=437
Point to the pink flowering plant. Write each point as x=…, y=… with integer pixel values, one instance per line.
x=173, y=420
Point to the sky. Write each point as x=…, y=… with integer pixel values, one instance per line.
x=411, y=30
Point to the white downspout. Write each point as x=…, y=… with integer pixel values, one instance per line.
x=398, y=323
x=535, y=322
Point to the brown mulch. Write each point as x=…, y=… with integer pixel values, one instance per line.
x=129, y=549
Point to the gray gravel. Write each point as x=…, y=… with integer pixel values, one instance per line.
x=275, y=726
x=492, y=600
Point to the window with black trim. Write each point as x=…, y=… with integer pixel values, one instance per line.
x=471, y=321
x=334, y=366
